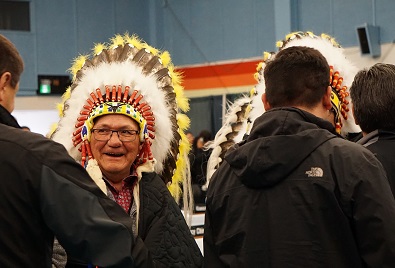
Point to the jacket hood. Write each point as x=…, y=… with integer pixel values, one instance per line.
x=279, y=142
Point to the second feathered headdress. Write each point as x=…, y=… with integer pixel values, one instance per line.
x=243, y=112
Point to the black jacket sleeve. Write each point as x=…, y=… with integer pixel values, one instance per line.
x=90, y=226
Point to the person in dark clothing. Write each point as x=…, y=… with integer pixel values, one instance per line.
x=373, y=94
x=121, y=122
x=44, y=192
x=295, y=193
x=11, y=68
x=198, y=158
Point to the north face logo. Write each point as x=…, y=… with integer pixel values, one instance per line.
x=315, y=172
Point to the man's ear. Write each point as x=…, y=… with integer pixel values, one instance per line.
x=326, y=99
x=266, y=104
x=5, y=79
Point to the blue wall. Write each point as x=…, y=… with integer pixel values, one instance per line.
x=194, y=31
x=63, y=29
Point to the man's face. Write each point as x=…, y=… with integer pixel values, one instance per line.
x=115, y=157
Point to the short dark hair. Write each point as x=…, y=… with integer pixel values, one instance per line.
x=296, y=76
x=373, y=96
x=10, y=60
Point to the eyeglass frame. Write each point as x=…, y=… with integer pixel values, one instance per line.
x=109, y=135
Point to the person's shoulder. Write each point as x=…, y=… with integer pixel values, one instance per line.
x=346, y=148
x=152, y=180
x=33, y=143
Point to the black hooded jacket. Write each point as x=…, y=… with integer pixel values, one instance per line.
x=297, y=195
x=382, y=144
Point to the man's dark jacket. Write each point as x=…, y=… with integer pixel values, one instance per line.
x=162, y=227
x=382, y=144
x=296, y=195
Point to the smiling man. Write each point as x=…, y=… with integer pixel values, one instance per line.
x=122, y=114
x=115, y=147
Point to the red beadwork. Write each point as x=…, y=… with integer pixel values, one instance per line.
x=79, y=124
x=97, y=102
x=147, y=114
x=146, y=108
x=131, y=99
x=141, y=106
x=82, y=118
x=89, y=101
x=336, y=83
x=126, y=94
x=113, y=93
x=88, y=149
x=107, y=93
x=137, y=100
x=77, y=132
x=83, y=154
x=119, y=95
x=100, y=96
x=87, y=107
x=149, y=118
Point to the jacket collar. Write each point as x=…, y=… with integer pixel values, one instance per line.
x=7, y=119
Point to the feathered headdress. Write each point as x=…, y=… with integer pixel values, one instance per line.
x=243, y=112
x=129, y=77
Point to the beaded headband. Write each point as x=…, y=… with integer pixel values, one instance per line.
x=104, y=108
x=129, y=77
x=243, y=112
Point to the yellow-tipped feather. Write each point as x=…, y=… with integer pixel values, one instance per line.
x=182, y=101
x=290, y=35
x=117, y=41
x=256, y=77
x=98, y=48
x=183, y=121
x=52, y=129
x=176, y=76
x=266, y=55
x=135, y=41
x=279, y=43
x=165, y=58
x=78, y=63
x=152, y=50
x=60, y=107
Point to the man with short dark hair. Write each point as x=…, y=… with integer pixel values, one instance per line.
x=373, y=94
x=295, y=194
x=11, y=68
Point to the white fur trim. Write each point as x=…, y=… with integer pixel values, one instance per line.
x=94, y=171
x=148, y=166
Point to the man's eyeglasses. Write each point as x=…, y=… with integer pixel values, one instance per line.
x=104, y=134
